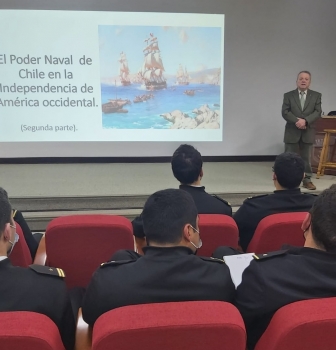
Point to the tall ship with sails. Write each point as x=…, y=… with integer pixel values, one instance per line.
x=152, y=68
x=182, y=76
x=124, y=70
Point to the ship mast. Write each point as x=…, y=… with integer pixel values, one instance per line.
x=123, y=69
x=152, y=68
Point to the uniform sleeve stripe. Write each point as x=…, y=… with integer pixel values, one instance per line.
x=60, y=272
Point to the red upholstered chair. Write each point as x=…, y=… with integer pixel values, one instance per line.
x=276, y=230
x=196, y=325
x=78, y=244
x=217, y=230
x=28, y=331
x=20, y=255
x=308, y=325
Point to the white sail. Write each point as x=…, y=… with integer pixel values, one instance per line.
x=152, y=69
x=123, y=69
x=148, y=75
x=158, y=61
x=155, y=46
x=158, y=72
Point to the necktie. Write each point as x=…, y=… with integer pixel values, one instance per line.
x=302, y=99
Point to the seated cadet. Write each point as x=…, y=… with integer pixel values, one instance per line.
x=288, y=173
x=280, y=278
x=187, y=165
x=38, y=288
x=169, y=271
x=18, y=218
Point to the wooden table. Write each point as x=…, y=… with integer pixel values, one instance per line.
x=325, y=122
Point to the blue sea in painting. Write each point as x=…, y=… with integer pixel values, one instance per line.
x=146, y=115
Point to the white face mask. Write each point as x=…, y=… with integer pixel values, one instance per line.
x=200, y=241
x=16, y=239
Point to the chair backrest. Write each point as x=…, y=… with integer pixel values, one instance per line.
x=196, y=325
x=20, y=255
x=308, y=325
x=28, y=331
x=217, y=230
x=79, y=244
x=276, y=230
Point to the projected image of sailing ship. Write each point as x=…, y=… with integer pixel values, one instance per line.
x=124, y=70
x=155, y=77
x=182, y=77
x=152, y=68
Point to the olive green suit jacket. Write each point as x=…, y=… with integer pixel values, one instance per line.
x=291, y=110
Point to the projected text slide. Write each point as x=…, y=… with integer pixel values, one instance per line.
x=110, y=76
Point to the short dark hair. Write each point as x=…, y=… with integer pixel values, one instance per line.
x=165, y=214
x=4, y=193
x=303, y=71
x=5, y=210
x=186, y=164
x=289, y=170
x=323, y=219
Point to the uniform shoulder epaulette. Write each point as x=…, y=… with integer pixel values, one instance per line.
x=212, y=259
x=116, y=263
x=222, y=200
x=46, y=270
x=259, y=196
x=261, y=257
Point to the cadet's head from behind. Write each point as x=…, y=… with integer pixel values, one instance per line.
x=288, y=170
x=3, y=193
x=7, y=227
x=187, y=164
x=170, y=219
x=320, y=225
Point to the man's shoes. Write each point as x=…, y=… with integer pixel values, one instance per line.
x=309, y=185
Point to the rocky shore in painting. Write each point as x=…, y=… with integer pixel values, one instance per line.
x=205, y=118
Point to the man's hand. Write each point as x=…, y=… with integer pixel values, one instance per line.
x=301, y=123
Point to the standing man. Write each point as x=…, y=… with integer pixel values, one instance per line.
x=301, y=108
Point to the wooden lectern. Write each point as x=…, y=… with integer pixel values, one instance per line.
x=326, y=122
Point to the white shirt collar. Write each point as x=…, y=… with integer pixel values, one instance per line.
x=3, y=257
x=305, y=92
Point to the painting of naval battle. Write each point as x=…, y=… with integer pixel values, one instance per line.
x=161, y=77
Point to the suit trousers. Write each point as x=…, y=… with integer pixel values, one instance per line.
x=304, y=150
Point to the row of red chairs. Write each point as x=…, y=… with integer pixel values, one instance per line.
x=196, y=325
x=89, y=240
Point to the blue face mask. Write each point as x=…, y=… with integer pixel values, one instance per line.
x=16, y=239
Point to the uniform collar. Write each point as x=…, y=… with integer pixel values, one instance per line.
x=167, y=251
x=285, y=192
x=312, y=252
x=3, y=257
x=5, y=263
x=188, y=187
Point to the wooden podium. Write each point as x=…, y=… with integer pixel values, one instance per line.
x=325, y=122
